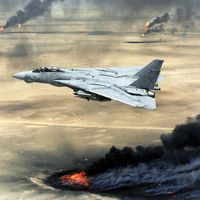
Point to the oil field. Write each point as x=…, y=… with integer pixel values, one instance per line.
x=45, y=129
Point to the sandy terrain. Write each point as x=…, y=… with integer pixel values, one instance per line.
x=46, y=128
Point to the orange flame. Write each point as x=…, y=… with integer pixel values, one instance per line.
x=78, y=179
x=147, y=25
x=2, y=29
x=146, y=29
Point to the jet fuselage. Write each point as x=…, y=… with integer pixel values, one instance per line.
x=134, y=86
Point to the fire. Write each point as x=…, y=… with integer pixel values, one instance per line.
x=77, y=179
x=147, y=25
x=146, y=29
x=2, y=29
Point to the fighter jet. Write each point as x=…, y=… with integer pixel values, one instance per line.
x=134, y=86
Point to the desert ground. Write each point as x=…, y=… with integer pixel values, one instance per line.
x=46, y=128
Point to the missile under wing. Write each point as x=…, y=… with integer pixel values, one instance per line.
x=137, y=94
x=127, y=85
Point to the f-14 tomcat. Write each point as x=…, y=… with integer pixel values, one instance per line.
x=134, y=86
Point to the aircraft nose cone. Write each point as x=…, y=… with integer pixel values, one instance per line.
x=20, y=76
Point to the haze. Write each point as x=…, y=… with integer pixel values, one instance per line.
x=47, y=128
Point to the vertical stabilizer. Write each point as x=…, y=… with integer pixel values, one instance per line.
x=148, y=76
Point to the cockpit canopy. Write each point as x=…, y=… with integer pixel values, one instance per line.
x=47, y=69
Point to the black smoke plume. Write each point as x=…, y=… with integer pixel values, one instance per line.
x=183, y=136
x=173, y=168
x=33, y=9
x=156, y=24
x=183, y=16
x=158, y=20
x=127, y=156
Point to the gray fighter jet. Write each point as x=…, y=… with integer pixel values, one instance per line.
x=134, y=86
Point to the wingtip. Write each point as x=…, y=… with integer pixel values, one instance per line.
x=158, y=60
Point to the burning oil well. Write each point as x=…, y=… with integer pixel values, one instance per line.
x=183, y=16
x=33, y=9
x=173, y=168
x=156, y=24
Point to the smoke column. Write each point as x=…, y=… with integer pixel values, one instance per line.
x=33, y=9
x=158, y=20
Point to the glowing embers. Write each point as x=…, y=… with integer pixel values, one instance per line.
x=80, y=179
x=2, y=29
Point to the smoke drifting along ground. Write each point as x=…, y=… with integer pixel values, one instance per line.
x=183, y=136
x=172, y=168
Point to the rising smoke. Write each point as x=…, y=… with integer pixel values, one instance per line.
x=125, y=10
x=158, y=20
x=33, y=9
x=126, y=156
x=183, y=136
x=182, y=16
x=172, y=168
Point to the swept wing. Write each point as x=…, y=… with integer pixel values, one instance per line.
x=110, y=91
